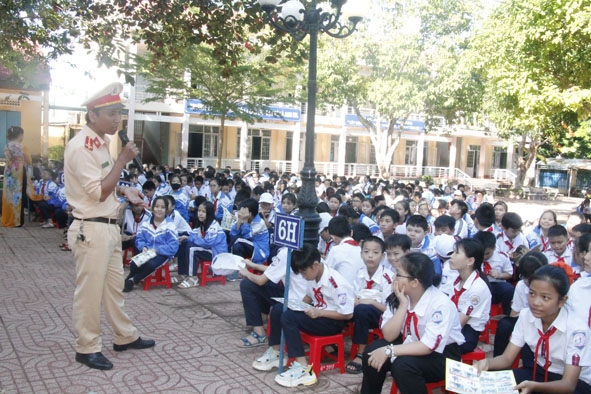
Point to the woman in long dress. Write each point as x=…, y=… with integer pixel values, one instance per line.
x=16, y=184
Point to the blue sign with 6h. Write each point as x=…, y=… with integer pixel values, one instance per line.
x=289, y=231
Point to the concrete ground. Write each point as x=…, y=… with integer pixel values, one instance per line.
x=196, y=330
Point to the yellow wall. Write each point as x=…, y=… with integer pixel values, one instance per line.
x=322, y=151
x=30, y=118
x=278, y=140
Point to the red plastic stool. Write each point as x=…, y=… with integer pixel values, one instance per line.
x=205, y=277
x=373, y=333
x=430, y=387
x=491, y=325
x=317, y=351
x=160, y=277
x=476, y=355
x=127, y=255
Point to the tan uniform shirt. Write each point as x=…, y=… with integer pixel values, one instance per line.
x=87, y=162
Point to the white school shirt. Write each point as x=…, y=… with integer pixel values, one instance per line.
x=400, y=229
x=508, y=246
x=566, y=257
x=448, y=277
x=382, y=282
x=520, y=297
x=276, y=273
x=499, y=261
x=332, y=292
x=461, y=228
x=579, y=298
x=475, y=301
x=535, y=237
x=180, y=223
x=129, y=225
x=438, y=322
x=346, y=259
x=568, y=345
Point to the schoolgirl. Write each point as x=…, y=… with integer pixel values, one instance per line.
x=403, y=208
x=471, y=294
x=538, y=236
x=501, y=209
x=558, y=338
x=205, y=241
x=159, y=234
x=579, y=299
x=429, y=325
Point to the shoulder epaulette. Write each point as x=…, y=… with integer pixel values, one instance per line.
x=333, y=282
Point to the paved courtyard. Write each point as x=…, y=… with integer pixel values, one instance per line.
x=196, y=330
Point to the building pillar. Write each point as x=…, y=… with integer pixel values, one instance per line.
x=295, y=148
x=420, y=153
x=510, y=153
x=342, y=151
x=243, y=146
x=452, y=156
x=482, y=163
x=45, y=134
x=185, y=139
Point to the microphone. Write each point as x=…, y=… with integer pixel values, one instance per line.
x=136, y=160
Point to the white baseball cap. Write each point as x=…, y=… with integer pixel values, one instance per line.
x=444, y=245
x=267, y=198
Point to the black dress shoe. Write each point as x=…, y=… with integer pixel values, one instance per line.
x=129, y=283
x=137, y=344
x=94, y=360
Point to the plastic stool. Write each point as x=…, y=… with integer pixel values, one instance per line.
x=127, y=255
x=430, y=387
x=491, y=325
x=476, y=355
x=205, y=277
x=373, y=333
x=317, y=344
x=160, y=277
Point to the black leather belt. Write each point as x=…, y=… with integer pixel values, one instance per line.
x=100, y=220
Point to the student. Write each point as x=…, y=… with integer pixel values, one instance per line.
x=332, y=302
x=558, y=339
x=133, y=218
x=345, y=256
x=528, y=264
x=538, y=237
x=219, y=199
x=249, y=236
x=484, y=218
x=334, y=203
x=498, y=269
x=372, y=287
x=181, y=225
x=444, y=224
x=181, y=201
x=511, y=237
x=204, y=242
x=325, y=241
x=389, y=219
x=417, y=230
x=160, y=234
x=403, y=209
x=355, y=218
x=367, y=207
x=397, y=245
x=430, y=328
x=501, y=209
x=579, y=295
x=561, y=253
x=149, y=189
x=424, y=210
x=471, y=294
x=162, y=188
x=444, y=245
x=46, y=192
x=457, y=210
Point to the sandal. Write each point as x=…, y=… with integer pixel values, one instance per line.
x=353, y=367
x=188, y=283
x=260, y=340
x=174, y=279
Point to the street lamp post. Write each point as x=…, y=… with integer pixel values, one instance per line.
x=299, y=22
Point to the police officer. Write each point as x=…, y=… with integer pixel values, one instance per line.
x=91, y=178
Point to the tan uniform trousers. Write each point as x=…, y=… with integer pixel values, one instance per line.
x=99, y=278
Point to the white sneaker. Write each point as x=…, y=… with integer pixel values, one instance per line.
x=173, y=267
x=297, y=375
x=48, y=225
x=268, y=361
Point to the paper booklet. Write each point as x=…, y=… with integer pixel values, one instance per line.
x=464, y=379
x=294, y=305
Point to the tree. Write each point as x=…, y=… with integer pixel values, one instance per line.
x=394, y=68
x=534, y=58
x=242, y=91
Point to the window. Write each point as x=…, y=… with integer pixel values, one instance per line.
x=410, y=154
x=203, y=141
x=334, y=148
x=499, y=157
x=260, y=144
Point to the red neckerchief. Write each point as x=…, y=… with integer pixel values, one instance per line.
x=560, y=259
x=458, y=293
x=137, y=221
x=544, y=343
x=411, y=317
x=351, y=242
x=544, y=243
x=320, y=303
x=589, y=318
x=369, y=284
x=486, y=268
x=43, y=188
x=328, y=244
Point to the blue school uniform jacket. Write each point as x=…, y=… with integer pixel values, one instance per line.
x=214, y=239
x=257, y=233
x=162, y=238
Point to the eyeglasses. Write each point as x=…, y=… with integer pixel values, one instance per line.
x=404, y=276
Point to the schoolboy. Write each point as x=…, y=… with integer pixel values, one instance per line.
x=355, y=217
x=332, y=300
x=372, y=288
x=397, y=245
x=561, y=251
x=417, y=229
x=389, y=219
x=444, y=247
x=498, y=269
x=345, y=256
x=484, y=217
x=149, y=189
x=249, y=236
x=325, y=242
x=444, y=224
x=511, y=237
x=457, y=210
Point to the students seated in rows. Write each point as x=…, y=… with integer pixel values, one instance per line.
x=417, y=230
x=133, y=218
x=332, y=302
x=46, y=191
x=159, y=234
x=471, y=294
x=249, y=236
x=528, y=265
x=538, y=236
x=345, y=256
x=558, y=338
x=429, y=325
x=498, y=269
x=203, y=243
x=388, y=222
x=372, y=287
